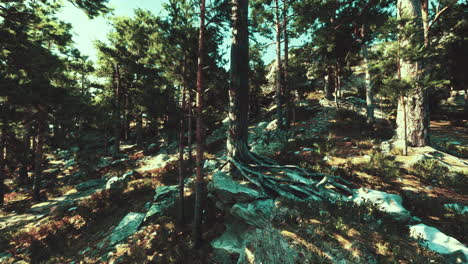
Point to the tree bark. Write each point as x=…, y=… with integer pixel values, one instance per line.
x=237, y=146
x=199, y=187
x=279, y=71
x=414, y=101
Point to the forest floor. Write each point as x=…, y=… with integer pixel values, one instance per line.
x=339, y=143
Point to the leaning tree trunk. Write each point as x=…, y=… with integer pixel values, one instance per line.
x=279, y=71
x=38, y=157
x=415, y=101
x=237, y=146
x=199, y=187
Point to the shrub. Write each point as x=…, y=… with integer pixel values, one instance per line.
x=430, y=170
x=382, y=166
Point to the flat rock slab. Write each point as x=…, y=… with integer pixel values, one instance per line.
x=230, y=191
x=127, y=227
x=439, y=242
x=89, y=184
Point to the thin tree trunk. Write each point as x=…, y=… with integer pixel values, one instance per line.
x=3, y=140
x=199, y=187
x=286, y=86
x=117, y=124
x=368, y=83
x=181, y=160
x=38, y=157
x=279, y=70
x=330, y=85
x=337, y=86
x=466, y=100
x=23, y=171
x=237, y=146
x=189, y=129
x=139, y=129
x=126, y=116
x=405, y=128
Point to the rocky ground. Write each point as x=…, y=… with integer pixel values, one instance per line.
x=401, y=209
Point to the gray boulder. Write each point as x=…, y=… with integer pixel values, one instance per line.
x=92, y=184
x=230, y=191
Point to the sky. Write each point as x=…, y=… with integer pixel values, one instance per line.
x=87, y=31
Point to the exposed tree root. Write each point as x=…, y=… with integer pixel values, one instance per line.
x=290, y=181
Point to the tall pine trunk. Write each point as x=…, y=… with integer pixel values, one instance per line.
x=200, y=186
x=414, y=101
x=279, y=71
x=237, y=146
